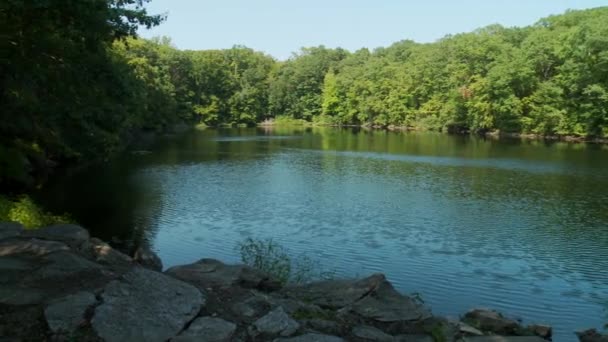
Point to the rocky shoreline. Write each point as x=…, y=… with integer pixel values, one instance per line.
x=59, y=284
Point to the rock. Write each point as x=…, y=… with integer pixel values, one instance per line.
x=67, y=313
x=208, y=329
x=591, y=335
x=372, y=334
x=468, y=330
x=335, y=294
x=543, y=331
x=311, y=337
x=492, y=321
x=385, y=304
x=249, y=309
x=104, y=254
x=210, y=273
x=10, y=229
x=148, y=259
x=415, y=338
x=497, y=338
x=324, y=326
x=145, y=306
x=31, y=246
x=70, y=234
x=275, y=323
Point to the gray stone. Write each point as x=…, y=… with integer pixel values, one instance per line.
x=492, y=321
x=324, y=326
x=145, y=306
x=311, y=337
x=211, y=273
x=67, y=313
x=372, y=334
x=15, y=295
x=30, y=246
x=591, y=335
x=70, y=234
x=275, y=323
x=388, y=305
x=415, y=338
x=335, y=294
x=148, y=259
x=496, y=338
x=209, y=329
x=541, y=330
x=10, y=229
x=468, y=330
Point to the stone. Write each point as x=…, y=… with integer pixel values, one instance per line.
x=372, y=334
x=492, y=321
x=388, y=305
x=275, y=323
x=468, y=330
x=335, y=294
x=147, y=258
x=145, y=306
x=211, y=273
x=104, y=254
x=541, y=330
x=497, y=338
x=591, y=335
x=208, y=329
x=67, y=314
x=324, y=326
x=311, y=337
x=10, y=229
x=415, y=338
x=70, y=234
x=31, y=246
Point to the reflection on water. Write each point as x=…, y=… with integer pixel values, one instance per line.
x=517, y=226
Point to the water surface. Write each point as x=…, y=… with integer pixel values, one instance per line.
x=521, y=227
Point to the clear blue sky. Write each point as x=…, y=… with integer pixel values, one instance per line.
x=280, y=27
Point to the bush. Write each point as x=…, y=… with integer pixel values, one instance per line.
x=272, y=258
x=28, y=213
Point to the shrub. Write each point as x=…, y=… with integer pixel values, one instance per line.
x=25, y=211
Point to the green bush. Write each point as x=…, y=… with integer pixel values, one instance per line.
x=25, y=211
x=272, y=258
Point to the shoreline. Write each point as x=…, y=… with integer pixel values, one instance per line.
x=59, y=283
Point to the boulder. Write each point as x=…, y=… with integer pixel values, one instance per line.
x=66, y=314
x=208, y=329
x=335, y=294
x=468, y=330
x=497, y=338
x=30, y=246
x=385, y=304
x=211, y=273
x=145, y=306
x=492, y=321
x=541, y=330
x=10, y=229
x=591, y=335
x=275, y=323
x=323, y=326
x=70, y=234
x=147, y=258
x=415, y=338
x=104, y=254
x=368, y=333
x=311, y=337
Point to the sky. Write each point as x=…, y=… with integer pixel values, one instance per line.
x=281, y=27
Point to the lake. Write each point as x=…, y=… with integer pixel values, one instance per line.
x=517, y=226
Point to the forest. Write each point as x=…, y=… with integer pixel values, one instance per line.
x=78, y=84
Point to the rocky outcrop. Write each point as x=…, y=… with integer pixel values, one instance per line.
x=57, y=283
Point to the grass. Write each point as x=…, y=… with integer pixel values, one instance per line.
x=25, y=211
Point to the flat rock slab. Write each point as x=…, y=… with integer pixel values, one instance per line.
x=275, y=323
x=489, y=320
x=30, y=246
x=145, y=306
x=312, y=337
x=335, y=294
x=415, y=338
x=211, y=273
x=10, y=229
x=497, y=338
x=372, y=334
x=387, y=305
x=104, y=254
x=67, y=314
x=208, y=329
x=70, y=234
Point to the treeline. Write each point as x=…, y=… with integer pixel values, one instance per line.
x=78, y=85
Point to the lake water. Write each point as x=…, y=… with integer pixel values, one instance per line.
x=521, y=227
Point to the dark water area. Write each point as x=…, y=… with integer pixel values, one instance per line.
x=517, y=226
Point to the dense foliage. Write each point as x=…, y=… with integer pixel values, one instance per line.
x=78, y=85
